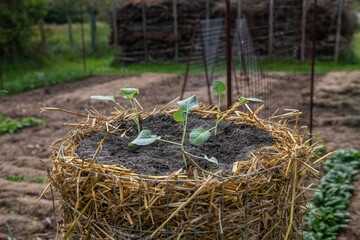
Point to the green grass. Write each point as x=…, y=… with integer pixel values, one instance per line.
x=61, y=63
x=16, y=178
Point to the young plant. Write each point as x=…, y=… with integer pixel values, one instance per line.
x=129, y=94
x=108, y=98
x=244, y=100
x=197, y=136
x=219, y=89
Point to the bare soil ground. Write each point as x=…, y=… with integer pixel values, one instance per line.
x=25, y=154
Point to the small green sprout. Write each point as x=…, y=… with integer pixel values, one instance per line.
x=108, y=98
x=197, y=136
x=219, y=89
x=144, y=138
x=129, y=94
x=244, y=100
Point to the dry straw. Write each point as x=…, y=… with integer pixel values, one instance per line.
x=263, y=199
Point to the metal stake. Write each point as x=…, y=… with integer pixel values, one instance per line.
x=313, y=70
x=228, y=53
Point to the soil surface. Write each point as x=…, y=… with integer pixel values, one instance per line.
x=25, y=154
x=232, y=143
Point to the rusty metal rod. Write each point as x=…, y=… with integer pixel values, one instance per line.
x=228, y=53
x=312, y=81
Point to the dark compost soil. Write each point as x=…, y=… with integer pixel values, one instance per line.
x=233, y=143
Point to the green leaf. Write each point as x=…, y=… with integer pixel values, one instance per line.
x=198, y=136
x=219, y=88
x=187, y=105
x=144, y=138
x=212, y=160
x=104, y=98
x=129, y=93
x=244, y=100
x=179, y=115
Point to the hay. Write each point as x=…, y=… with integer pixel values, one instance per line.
x=263, y=199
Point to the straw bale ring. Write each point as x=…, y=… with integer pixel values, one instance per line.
x=263, y=199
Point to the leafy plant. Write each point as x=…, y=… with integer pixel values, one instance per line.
x=197, y=136
x=108, y=98
x=8, y=125
x=244, y=100
x=128, y=94
x=219, y=88
x=327, y=212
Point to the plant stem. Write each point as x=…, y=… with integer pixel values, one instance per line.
x=184, y=131
x=136, y=118
x=167, y=141
x=194, y=156
x=217, y=115
x=183, y=139
x=118, y=104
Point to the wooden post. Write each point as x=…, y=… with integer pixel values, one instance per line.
x=303, y=30
x=143, y=13
x=176, y=31
x=92, y=16
x=271, y=26
x=207, y=10
x=42, y=32
x=1, y=78
x=83, y=40
x=115, y=25
x=69, y=23
x=338, y=29
x=239, y=8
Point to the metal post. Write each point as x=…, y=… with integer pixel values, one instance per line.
x=313, y=70
x=303, y=30
x=143, y=15
x=228, y=53
x=271, y=26
x=176, y=29
x=338, y=30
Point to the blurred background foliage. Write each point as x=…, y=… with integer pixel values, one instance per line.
x=41, y=44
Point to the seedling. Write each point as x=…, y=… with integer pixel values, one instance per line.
x=197, y=136
x=244, y=100
x=108, y=98
x=129, y=94
x=219, y=88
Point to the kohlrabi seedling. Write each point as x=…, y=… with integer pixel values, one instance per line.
x=197, y=136
x=243, y=100
x=219, y=89
x=108, y=98
x=129, y=94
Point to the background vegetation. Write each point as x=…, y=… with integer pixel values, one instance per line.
x=41, y=45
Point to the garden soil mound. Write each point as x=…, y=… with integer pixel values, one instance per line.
x=233, y=142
